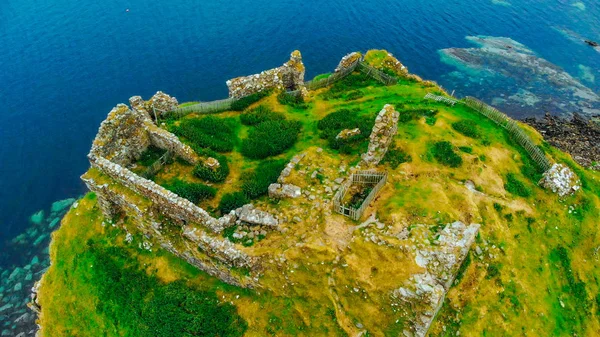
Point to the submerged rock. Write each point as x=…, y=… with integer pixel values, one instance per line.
x=529, y=84
x=38, y=217
x=61, y=205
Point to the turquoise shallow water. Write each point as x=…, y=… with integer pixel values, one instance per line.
x=64, y=64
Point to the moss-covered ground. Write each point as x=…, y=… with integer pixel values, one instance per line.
x=537, y=273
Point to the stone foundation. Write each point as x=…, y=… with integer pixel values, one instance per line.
x=424, y=293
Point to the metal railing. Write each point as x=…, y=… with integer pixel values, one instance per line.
x=513, y=128
x=360, y=177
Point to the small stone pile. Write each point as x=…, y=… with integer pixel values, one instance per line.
x=348, y=133
x=289, y=76
x=386, y=125
x=560, y=180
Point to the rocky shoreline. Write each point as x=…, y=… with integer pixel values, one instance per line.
x=577, y=136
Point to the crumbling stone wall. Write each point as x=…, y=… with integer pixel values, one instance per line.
x=127, y=133
x=121, y=137
x=289, y=76
x=348, y=61
x=168, y=141
x=207, y=253
x=386, y=125
x=221, y=249
x=172, y=205
x=156, y=106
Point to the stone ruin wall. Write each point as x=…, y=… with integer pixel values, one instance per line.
x=289, y=76
x=114, y=201
x=121, y=139
x=126, y=133
x=348, y=61
x=177, y=208
x=382, y=135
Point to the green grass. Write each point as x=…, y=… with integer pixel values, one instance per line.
x=295, y=101
x=516, y=186
x=330, y=126
x=270, y=138
x=231, y=201
x=444, y=153
x=395, y=156
x=256, y=183
x=468, y=128
x=217, y=134
x=151, y=155
x=261, y=113
x=214, y=175
x=191, y=191
x=243, y=103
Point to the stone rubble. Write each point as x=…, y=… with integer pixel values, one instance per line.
x=560, y=180
x=253, y=216
x=282, y=191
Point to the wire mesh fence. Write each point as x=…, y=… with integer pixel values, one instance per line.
x=513, y=129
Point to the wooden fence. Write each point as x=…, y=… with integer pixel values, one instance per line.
x=325, y=82
x=205, y=107
x=513, y=129
x=443, y=99
x=377, y=74
x=157, y=165
x=360, y=177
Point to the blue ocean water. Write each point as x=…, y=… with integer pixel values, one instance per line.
x=65, y=64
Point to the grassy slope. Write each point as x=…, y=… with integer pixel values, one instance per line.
x=522, y=285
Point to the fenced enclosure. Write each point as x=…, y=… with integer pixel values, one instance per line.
x=362, y=178
x=442, y=99
x=204, y=107
x=514, y=130
x=377, y=74
x=157, y=165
